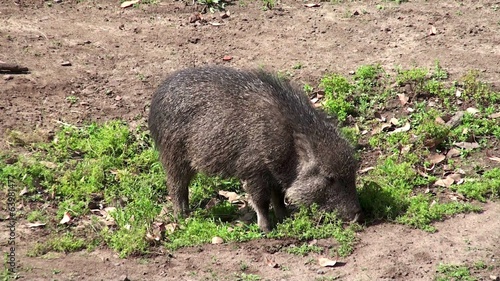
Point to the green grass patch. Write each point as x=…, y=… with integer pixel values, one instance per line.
x=447, y=272
x=310, y=223
x=303, y=249
x=66, y=243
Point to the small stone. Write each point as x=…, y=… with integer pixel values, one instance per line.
x=123, y=278
x=217, y=240
x=66, y=63
x=8, y=77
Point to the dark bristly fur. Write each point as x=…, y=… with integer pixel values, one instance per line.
x=258, y=128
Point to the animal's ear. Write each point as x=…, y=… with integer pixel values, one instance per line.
x=304, y=148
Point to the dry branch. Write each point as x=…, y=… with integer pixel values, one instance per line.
x=12, y=68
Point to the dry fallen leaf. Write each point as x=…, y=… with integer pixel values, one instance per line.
x=326, y=262
x=446, y=182
x=66, y=218
x=472, y=110
x=436, y=158
x=403, y=99
x=405, y=128
x=440, y=121
x=453, y=153
x=422, y=173
x=380, y=128
x=405, y=148
x=127, y=4
x=456, y=177
x=24, y=191
x=495, y=115
x=394, y=121
x=171, y=227
x=231, y=196
x=467, y=145
x=48, y=164
x=217, y=240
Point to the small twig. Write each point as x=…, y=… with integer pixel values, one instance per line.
x=65, y=124
x=12, y=68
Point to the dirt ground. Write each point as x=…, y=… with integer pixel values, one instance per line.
x=94, y=61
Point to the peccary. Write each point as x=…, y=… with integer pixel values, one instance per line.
x=258, y=128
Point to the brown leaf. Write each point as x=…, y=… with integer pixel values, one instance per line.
x=403, y=99
x=440, y=121
x=467, y=145
x=431, y=167
x=456, y=177
x=446, y=182
x=495, y=115
x=380, y=128
x=326, y=262
x=24, y=191
x=66, y=218
x=171, y=227
x=453, y=153
x=48, y=164
x=394, y=121
x=405, y=128
x=436, y=158
x=422, y=173
x=231, y=196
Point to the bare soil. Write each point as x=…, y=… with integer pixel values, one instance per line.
x=94, y=61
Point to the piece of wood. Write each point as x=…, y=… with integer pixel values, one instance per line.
x=12, y=68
